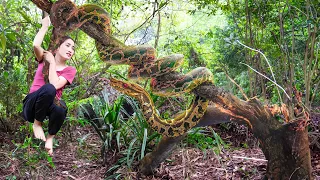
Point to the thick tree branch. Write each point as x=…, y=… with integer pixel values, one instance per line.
x=44, y=5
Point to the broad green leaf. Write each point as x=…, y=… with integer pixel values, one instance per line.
x=114, y=176
x=11, y=36
x=6, y=74
x=3, y=42
x=130, y=148
x=25, y=16
x=144, y=143
x=118, y=140
x=162, y=4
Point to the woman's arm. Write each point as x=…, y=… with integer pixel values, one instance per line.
x=57, y=81
x=38, y=50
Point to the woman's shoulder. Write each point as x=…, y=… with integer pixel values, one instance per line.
x=70, y=69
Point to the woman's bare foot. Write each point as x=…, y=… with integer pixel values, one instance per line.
x=49, y=144
x=38, y=131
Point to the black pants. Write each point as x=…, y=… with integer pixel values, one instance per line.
x=39, y=104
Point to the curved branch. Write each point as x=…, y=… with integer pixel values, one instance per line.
x=44, y=5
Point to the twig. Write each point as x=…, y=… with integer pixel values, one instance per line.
x=299, y=10
x=6, y=154
x=195, y=159
x=240, y=88
x=247, y=158
x=158, y=30
x=147, y=20
x=294, y=172
x=268, y=79
x=305, y=107
x=220, y=169
x=269, y=68
x=72, y=177
x=183, y=165
x=17, y=23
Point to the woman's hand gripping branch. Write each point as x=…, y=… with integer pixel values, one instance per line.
x=38, y=50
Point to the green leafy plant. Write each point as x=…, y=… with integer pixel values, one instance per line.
x=137, y=142
x=11, y=177
x=128, y=136
x=12, y=81
x=105, y=119
x=205, y=139
x=31, y=150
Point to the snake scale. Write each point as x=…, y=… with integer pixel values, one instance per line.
x=143, y=62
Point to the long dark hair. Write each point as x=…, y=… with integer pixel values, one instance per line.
x=60, y=41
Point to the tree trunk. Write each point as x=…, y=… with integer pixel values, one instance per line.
x=285, y=146
x=45, y=5
x=287, y=152
x=159, y=27
x=247, y=53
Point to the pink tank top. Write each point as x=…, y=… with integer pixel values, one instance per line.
x=68, y=73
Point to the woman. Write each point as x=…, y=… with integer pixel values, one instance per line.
x=39, y=102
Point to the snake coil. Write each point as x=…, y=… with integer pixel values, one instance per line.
x=95, y=22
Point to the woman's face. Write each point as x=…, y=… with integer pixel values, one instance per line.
x=66, y=49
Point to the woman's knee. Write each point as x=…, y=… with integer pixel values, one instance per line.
x=58, y=113
x=56, y=119
x=49, y=90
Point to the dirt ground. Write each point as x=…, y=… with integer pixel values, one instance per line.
x=78, y=157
